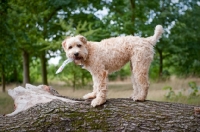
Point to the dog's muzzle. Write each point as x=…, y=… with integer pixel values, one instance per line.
x=76, y=54
x=77, y=57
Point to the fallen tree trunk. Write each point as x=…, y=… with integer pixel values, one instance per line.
x=114, y=115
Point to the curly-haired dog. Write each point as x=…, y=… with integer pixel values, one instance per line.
x=109, y=55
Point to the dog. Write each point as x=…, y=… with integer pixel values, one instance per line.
x=109, y=55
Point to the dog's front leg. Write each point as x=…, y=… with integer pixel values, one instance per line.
x=92, y=95
x=100, y=83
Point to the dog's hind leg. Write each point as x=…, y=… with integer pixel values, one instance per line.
x=140, y=68
x=142, y=86
x=135, y=88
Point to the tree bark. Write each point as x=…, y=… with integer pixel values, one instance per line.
x=44, y=67
x=26, y=70
x=3, y=80
x=160, y=63
x=114, y=115
x=15, y=74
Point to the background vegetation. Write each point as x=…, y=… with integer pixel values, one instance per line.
x=31, y=33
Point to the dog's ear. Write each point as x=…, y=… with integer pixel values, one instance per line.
x=82, y=39
x=64, y=44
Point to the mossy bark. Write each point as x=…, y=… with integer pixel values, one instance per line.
x=115, y=115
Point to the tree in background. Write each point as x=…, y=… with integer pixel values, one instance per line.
x=185, y=38
x=35, y=32
x=169, y=14
x=8, y=51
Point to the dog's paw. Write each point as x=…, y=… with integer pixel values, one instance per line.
x=98, y=101
x=89, y=96
x=138, y=98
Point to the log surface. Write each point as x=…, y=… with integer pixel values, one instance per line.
x=115, y=115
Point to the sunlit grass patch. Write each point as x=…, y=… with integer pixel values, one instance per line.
x=6, y=103
x=185, y=100
x=191, y=95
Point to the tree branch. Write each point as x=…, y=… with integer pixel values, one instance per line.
x=115, y=115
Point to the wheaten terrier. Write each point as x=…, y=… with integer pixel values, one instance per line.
x=109, y=55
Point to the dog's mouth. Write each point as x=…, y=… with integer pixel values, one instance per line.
x=78, y=58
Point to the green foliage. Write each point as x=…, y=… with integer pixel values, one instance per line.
x=8, y=51
x=121, y=74
x=75, y=76
x=192, y=97
x=185, y=38
x=43, y=26
x=171, y=94
x=194, y=89
x=35, y=70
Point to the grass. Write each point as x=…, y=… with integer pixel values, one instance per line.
x=6, y=103
x=185, y=100
x=121, y=90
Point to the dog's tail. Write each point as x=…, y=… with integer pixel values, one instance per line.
x=157, y=34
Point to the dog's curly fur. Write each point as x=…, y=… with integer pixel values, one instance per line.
x=109, y=55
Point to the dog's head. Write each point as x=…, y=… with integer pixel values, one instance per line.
x=75, y=48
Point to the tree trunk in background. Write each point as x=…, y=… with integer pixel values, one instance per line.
x=15, y=73
x=26, y=66
x=3, y=80
x=160, y=63
x=44, y=67
x=115, y=115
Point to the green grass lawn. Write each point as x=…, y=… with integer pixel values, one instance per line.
x=6, y=103
x=193, y=100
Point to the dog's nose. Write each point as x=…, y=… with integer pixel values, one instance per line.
x=76, y=54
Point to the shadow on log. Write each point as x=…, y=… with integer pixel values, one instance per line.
x=115, y=115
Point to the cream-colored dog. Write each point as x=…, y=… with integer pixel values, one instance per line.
x=109, y=55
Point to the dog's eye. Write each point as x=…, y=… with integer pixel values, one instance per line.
x=70, y=47
x=78, y=45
